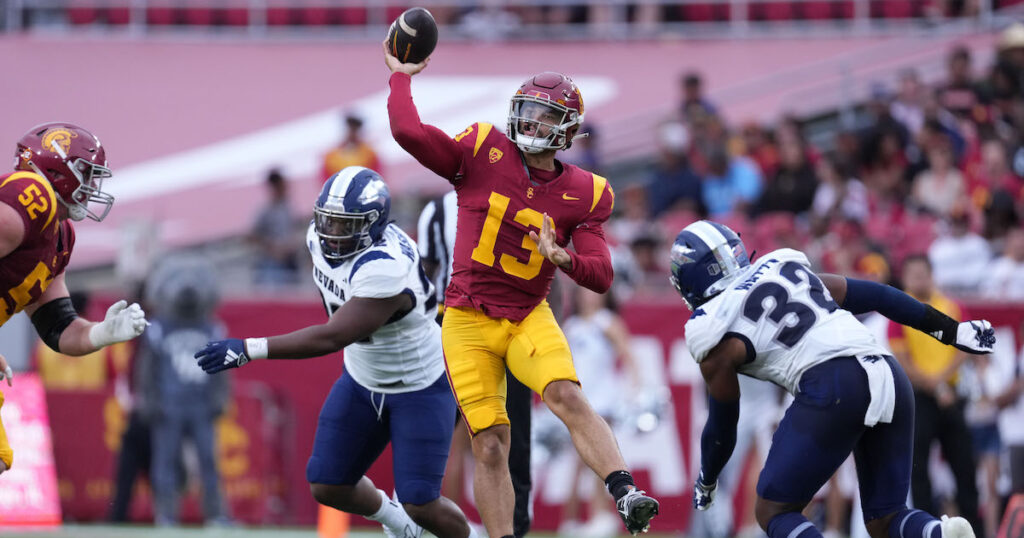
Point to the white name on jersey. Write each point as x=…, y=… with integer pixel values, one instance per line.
x=404, y=354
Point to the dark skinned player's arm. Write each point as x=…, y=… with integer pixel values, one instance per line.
x=720, y=372
x=357, y=319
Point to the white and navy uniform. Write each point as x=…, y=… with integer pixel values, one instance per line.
x=435, y=233
x=394, y=386
x=404, y=354
x=850, y=395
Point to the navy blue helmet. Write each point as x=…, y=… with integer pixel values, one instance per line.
x=351, y=212
x=706, y=258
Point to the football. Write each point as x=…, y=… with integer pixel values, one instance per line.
x=413, y=35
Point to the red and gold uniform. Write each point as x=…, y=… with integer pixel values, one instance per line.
x=27, y=271
x=496, y=313
x=44, y=253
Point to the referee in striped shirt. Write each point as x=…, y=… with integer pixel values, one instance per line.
x=436, y=240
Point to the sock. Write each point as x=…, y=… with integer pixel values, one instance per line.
x=619, y=484
x=391, y=514
x=792, y=525
x=914, y=524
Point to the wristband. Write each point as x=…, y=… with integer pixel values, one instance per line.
x=256, y=348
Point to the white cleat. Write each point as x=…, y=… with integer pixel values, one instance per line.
x=956, y=527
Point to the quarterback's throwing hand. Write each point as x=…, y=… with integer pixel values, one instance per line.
x=396, y=65
x=703, y=496
x=220, y=355
x=548, y=247
x=122, y=323
x=975, y=337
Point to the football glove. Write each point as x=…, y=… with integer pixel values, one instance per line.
x=703, y=495
x=220, y=355
x=122, y=323
x=975, y=337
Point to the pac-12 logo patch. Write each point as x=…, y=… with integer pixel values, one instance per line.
x=494, y=155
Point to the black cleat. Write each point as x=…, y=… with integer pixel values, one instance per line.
x=637, y=510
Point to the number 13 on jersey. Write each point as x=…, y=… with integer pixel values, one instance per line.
x=484, y=251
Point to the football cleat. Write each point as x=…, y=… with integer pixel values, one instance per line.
x=956, y=527
x=637, y=510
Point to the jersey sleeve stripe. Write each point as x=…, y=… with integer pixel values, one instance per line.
x=599, y=184
x=368, y=257
x=481, y=135
x=50, y=195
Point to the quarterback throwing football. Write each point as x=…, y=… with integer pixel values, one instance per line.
x=518, y=208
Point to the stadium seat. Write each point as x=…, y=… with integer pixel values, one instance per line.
x=82, y=13
x=281, y=16
x=825, y=10
x=160, y=13
x=772, y=11
x=704, y=12
x=118, y=15
x=236, y=13
x=198, y=13
x=895, y=9
x=315, y=15
x=352, y=16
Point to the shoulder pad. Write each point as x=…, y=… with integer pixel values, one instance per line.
x=789, y=255
x=709, y=323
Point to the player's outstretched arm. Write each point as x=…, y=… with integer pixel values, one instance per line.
x=357, y=319
x=426, y=143
x=64, y=331
x=718, y=440
x=861, y=296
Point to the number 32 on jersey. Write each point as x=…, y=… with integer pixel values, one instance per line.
x=484, y=251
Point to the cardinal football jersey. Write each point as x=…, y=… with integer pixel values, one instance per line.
x=46, y=248
x=497, y=268
x=405, y=353
x=787, y=318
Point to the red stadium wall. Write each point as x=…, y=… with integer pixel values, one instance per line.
x=266, y=436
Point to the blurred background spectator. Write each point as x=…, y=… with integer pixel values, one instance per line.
x=939, y=409
x=181, y=399
x=353, y=150
x=275, y=236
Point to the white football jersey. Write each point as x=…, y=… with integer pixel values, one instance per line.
x=787, y=318
x=404, y=354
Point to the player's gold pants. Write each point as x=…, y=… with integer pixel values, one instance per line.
x=477, y=349
x=6, y=454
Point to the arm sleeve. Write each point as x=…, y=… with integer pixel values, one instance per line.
x=591, y=262
x=428, y=144
x=718, y=438
x=866, y=296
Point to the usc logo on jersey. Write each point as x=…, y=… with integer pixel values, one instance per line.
x=61, y=137
x=494, y=155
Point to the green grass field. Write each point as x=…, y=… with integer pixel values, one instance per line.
x=108, y=531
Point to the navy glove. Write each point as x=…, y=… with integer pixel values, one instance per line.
x=703, y=495
x=220, y=355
